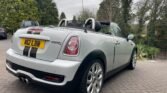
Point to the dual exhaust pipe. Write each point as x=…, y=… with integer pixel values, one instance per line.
x=25, y=80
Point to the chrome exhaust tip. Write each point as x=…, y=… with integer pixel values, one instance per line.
x=21, y=79
x=26, y=81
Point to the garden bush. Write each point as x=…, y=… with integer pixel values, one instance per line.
x=145, y=51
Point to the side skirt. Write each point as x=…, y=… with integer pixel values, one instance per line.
x=113, y=72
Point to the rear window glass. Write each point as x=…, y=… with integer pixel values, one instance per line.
x=27, y=23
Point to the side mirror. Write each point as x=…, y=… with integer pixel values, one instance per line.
x=131, y=37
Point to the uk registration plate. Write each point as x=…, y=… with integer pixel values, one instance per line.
x=33, y=43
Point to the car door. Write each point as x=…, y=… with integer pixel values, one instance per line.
x=122, y=48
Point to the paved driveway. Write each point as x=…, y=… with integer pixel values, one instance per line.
x=148, y=77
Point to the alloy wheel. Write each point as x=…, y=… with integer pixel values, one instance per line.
x=95, y=78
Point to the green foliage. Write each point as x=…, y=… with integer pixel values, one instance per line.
x=74, y=19
x=106, y=30
x=85, y=14
x=143, y=7
x=145, y=51
x=48, y=12
x=161, y=34
x=126, y=8
x=116, y=11
x=151, y=18
x=109, y=11
x=156, y=9
x=152, y=22
x=12, y=12
x=62, y=16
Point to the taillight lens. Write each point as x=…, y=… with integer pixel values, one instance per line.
x=72, y=46
x=35, y=29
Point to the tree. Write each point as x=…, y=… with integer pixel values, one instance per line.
x=142, y=8
x=163, y=9
x=85, y=14
x=109, y=10
x=126, y=8
x=154, y=15
x=62, y=16
x=116, y=11
x=48, y=12
x=125, y=16
x=161, y=26
x=74, y=20
x=12, y=12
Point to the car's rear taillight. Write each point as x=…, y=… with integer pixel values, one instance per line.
x=36, y=29
x=72, y=46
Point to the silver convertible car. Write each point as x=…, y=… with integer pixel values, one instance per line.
x=73, y=56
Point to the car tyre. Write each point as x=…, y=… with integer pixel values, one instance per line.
x=133, y=61
x=92, y=79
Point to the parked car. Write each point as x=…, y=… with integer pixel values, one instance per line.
x=28, y=23
x=3, y=34
x=65, y=56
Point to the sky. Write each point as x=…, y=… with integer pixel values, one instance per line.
x=73, y=7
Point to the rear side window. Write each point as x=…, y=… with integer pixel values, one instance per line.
x=117, y=31
x=107, y=30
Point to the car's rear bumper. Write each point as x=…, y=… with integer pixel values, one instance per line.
x=37, y=69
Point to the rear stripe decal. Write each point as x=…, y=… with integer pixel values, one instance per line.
x=26, y=50
x=33, y=52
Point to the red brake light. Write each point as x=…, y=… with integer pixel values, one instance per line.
x=35, y=29
x=72, y=46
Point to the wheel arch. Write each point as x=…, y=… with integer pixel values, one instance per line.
x=96, y=54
